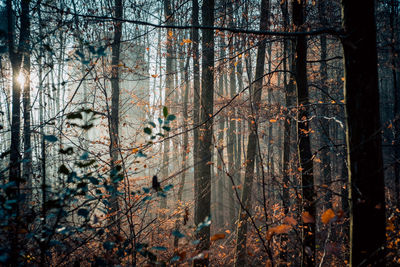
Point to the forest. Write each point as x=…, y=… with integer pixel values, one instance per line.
x=200, y=133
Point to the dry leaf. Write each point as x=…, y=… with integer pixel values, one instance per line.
x=217, y=237
x=290, y=220
x=327, y=216
x=307, y=218
x=280, y=229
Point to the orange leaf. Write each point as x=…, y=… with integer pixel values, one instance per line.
x=280, y=229
x=154, y=75
x=187, y=41
x=327, y=216
x=272, y=120
x=307, y=218
x=290, y=220
x=217, y=237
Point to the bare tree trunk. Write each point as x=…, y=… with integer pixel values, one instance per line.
x=220, y=147
x=196, y=98
x=26, y=65
x=185, y=147
x=203, y=196
x=364, y=153
x=303, y=138
x=255, y=94
x=17, y=65
x=114, y=118
x=231, y=144
x=288, y=52
x=169, y=84
x=325, y=127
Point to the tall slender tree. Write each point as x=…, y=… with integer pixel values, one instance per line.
x=303, y=138
x=255, y=93
x=203, y=195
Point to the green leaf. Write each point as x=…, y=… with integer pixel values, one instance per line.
x=83, y=212
x=141, y=154
x=63, y=170
x=93, y=180
x=159, y=248
x=84, y=156
x=74, y=115
x=167, y=128
x=205, y=223
x=50, y=138
x=152, y=124
x=67, y=151
x=147, y=130
x=171, y=117
x=165, y=112
x=79, y=54
x=168, y=187
x=177, y=234
x=85, y=164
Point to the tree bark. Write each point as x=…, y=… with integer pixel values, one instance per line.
x=363, y=137
x=114, y=118
x=18, y=64
x=203, y=196
x=325, y=127
x=303, y=138
x=196, y=98
x=256, y=93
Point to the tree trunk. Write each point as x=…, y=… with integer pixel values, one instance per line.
x=325, y=127
x=203, y=195
x=169, y=84
x=114, y=118
x=18, y=65
x=303, y=138
x=256, y=92
x=26, y=65
x=364, y=154
x=288, y=48
x=396, y=95
x=220, y=150
x=196, y=98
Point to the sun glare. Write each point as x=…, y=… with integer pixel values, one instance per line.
x=21, y=79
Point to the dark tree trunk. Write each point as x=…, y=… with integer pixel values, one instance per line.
x=396, y=95
x=303, y=138
x=196, y=98
x=288, y=52
x=364, y=154
x=203, y=195
x=325, y=127
x=19, y=65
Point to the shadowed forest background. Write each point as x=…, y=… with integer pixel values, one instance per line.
x=199, y=133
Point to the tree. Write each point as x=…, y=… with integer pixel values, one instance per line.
x=203, y=186
x=363, y=137
x=303, y=137
x=19, y=65
x=115, y=102
x=256, y=93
